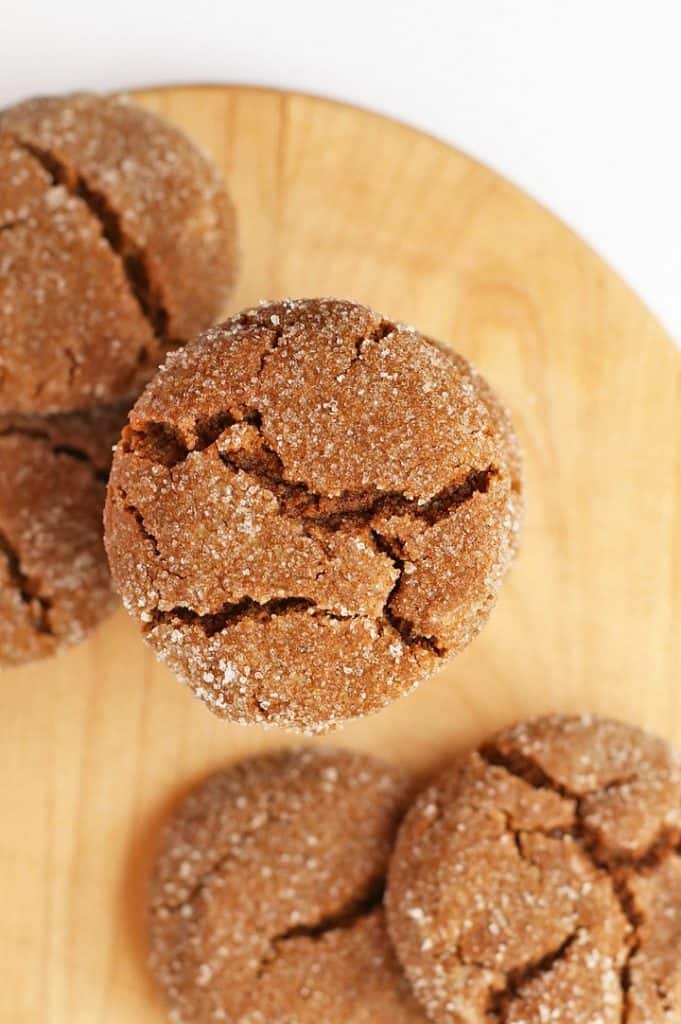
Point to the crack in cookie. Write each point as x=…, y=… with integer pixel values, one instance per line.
x=357, y=909
x=132, y=258
x=70, y=451
x=38, y=605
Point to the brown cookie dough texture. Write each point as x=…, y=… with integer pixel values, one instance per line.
x=539, y=880
x=116, y=241
x=312, y=508
x=54, y=580
x=266, y=902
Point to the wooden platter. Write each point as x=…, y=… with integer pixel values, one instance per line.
x=99, y=743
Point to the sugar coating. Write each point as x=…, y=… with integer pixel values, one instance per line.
x=266, y=900
x=311, y=509
x=116, y=242
x=539, y=880
x=54, y=580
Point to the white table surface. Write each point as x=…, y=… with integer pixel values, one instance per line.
x=578, y=102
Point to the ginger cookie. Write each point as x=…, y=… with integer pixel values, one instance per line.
x=266, y=901
x=539, y=879
x=54, y=579
x=117, y=240
x=311, y=509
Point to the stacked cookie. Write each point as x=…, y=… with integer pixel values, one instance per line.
x=311, y=509
x=537, y=879
x=116, y=244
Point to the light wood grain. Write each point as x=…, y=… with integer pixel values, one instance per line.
x=96, y=745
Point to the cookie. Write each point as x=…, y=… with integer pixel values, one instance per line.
x=117, y=241
x=311, y=510
x=54, y=579
x=539, y=879
x=266, y=901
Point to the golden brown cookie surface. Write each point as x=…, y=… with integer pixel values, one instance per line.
x=54, y=580
x=266, y=899
x=539, y=879
x=311, y=509
x=116, y=241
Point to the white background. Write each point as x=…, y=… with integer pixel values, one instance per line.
x=578, y=101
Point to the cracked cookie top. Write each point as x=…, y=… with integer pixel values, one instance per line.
x=310, y=509
x=116, y=242
x=539, y=879
x=54, y=580
x=266, y=901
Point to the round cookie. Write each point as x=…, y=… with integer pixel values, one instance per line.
x=117, y=240
x=311, y=510
x=539, y=879
x=54, y=580
x=266, y=902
